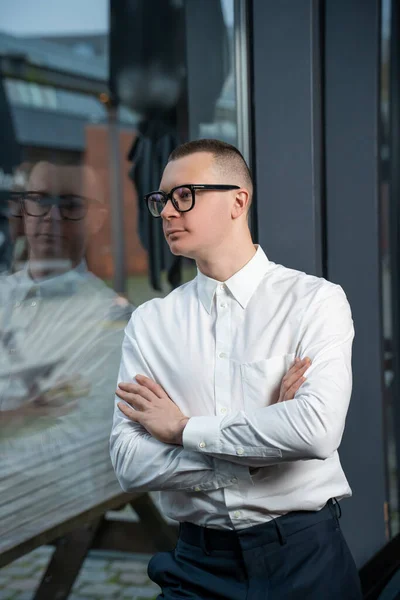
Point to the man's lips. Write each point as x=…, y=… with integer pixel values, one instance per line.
x=174, y=231
x=48, y=234
x=48, y=237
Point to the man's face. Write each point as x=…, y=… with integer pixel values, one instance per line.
x=50, y=236
x=204, y=228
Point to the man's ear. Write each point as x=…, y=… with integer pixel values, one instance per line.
x=241, y=203
x=97, y=216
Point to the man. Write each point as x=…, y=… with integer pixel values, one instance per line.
x=249, y=467
x=61, y=330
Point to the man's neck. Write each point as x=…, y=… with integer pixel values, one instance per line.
x=226, y=262
x=46, y=269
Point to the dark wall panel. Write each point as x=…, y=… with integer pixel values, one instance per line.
x=287, y=128
x=315, y=109
x=353, y=249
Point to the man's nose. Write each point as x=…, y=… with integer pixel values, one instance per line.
x=53, y=214
x=169, y=211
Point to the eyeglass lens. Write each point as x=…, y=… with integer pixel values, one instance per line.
x=70, y=207
x=182, y=197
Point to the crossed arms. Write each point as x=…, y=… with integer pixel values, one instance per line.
x=308, y=427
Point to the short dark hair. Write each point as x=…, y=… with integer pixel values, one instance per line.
x=225, y=155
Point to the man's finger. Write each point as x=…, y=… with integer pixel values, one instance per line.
x=138, y=390
x=151, y=385
x=299, y=364
x=290, y=393
x=134, y=400
x=133, y=415
x=293, y=371
x=294, y=388
x=291, y=377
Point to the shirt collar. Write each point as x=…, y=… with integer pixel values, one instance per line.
x=63, y=284
x=241, y=285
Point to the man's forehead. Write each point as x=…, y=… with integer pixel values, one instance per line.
x=61, y=179
x=194, y=168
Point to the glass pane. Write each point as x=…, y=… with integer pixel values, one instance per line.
x=389, y=203
x=61, y=321
x=211, y=70
x=68, y=286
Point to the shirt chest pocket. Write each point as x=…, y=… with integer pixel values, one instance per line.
x=261, y=380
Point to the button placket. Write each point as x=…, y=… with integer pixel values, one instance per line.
x=223, y=347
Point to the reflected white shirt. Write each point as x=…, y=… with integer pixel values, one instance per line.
x=220, y=351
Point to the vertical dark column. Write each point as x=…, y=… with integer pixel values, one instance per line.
x=352, y=59
x=393, y=345
x=286, y=104
x=10, y=157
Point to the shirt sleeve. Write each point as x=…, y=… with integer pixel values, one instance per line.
x=142, y=463
x=311, y=425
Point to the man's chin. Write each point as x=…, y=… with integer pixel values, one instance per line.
x=176, y=251
x=179, y=249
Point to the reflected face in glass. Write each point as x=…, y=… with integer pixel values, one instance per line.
x=55, y=210
x=209, y=222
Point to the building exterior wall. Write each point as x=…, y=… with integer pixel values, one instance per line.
x=99, y=254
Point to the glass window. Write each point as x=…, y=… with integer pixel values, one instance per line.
x=211, y=70
x=24, y=92
x=49, y=97
x=36, y=95
x=61, y=321
x=389, y=210
x=78, y=251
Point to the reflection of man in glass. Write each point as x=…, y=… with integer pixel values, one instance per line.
x=60, y=210
x=60, y=335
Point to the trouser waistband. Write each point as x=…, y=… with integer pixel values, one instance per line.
x=275, y=530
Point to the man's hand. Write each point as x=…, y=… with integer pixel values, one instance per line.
x=155, y=410
x=40, y=407
x=293, y=379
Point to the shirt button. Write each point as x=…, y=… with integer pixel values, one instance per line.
x=202, y=445
x=234, y=480
x=239, y=451
x=223, y=305
x=222, y=355
x=18, y=304
x=33, y=303
x=222, y=287
x=237, y=514
x=223, y=410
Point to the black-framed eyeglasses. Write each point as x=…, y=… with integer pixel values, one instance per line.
x=72, y=207
x=183, y=197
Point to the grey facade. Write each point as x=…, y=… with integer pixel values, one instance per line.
x=316, y=95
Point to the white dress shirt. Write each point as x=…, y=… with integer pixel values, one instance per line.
x=220, y=351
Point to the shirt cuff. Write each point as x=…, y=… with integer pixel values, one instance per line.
x=202, y=434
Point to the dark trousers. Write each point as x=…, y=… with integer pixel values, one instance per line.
x=300, y=556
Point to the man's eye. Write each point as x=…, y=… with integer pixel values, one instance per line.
x=72, y=201
x=35, y=196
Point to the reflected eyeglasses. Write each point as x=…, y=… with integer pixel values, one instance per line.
x=72, y=207
x=183, y=197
